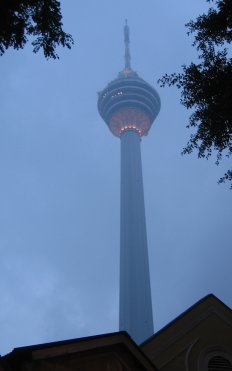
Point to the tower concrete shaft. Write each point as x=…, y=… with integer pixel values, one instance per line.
x=135, y=292
x=129, y=106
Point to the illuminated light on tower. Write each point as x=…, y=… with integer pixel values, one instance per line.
x=129, y=105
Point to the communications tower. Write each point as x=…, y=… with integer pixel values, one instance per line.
x=129, y=105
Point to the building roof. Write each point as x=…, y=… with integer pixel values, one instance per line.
x=108, y=349
x=209, y=302
x=205, y=325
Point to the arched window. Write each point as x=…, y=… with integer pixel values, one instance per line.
x=219, y=363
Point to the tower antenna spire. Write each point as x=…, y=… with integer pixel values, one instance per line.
x=127, y=45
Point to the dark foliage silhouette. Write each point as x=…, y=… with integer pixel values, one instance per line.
x=206, y=87
x=41, y=20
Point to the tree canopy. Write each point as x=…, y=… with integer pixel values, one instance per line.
x=206, y=87
x=39, y=19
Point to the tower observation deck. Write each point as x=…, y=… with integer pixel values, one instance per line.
x=129, y=105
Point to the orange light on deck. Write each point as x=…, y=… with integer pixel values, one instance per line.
x=129, y=118
x=131, y=127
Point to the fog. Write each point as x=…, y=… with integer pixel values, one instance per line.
x=60, y=180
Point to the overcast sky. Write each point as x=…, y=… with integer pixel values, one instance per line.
x=59, y=188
